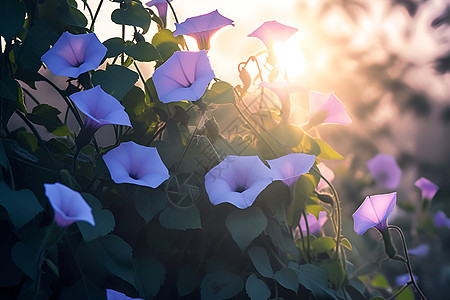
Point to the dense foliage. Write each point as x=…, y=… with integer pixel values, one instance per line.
x=152, y=216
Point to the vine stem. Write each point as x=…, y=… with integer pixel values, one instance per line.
x=338, y=211
x=38, y=137
x=173, y=11
x=96, y=15
x=407, y=261
x=307, y=236
x=189, y=142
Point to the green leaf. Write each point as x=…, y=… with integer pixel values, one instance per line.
x=326, y=152
x=149, y=202
x=3, y=157
x=12, y=18
x=11, y=274
x=335, y=272
x=104, y=220
x=245, y=225
x=36, y=43
x=165, y=43
x=143, y=51
x=24, y=258
x=27, y=140
x=9, y=89
x=61, y=131
x=68, y=13
x=261, y=261
x=134, y=102
x=304, y=190
x=188, y=280
x=346, y=243
x=256, y=288
x=220, y=285
x=117, y=257
x=22, y=206
x=46, y=116
x=150, y=276
x=287, y=278
x=314, y=279
x=180, y=218
x=83, y=289
x=116, y=80
x=380, y=281
x=115, y=47
x=407, y=294
x=309, y=145
x=221, y=92
x=134, y=14
x=367, y=268
x=323, y=244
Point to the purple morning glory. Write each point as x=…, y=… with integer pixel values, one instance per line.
x=100, y=108
x=69, y=205
x=327, y=109
x=440, y=220
x=385, y=170
x=136, y=164
x=74, y=54
x=314, y=224
x=271, y=32
x=421, y=250
x=427, y=187
x=237, y=180
x=202, y=27
x=404, y=279
x=115, y=295
x=184, y=76
x=283, y=88
x=290, y=167
x=161, y=6
x=327, y=173
x=373, y=212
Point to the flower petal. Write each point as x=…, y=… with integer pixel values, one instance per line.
x=101, y=107
x=427, y=187
x=373, y=211
x=272, y=32
x=283, y=88
x=237, y=180
x=290, y=167
x=114, y=295
x=136, y=164
x=73, y=55
x=385, y=170
x=69, y=205
x=183, y=77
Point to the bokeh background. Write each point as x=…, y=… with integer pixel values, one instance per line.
x=389, y=63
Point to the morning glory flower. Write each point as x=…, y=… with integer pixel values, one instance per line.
x=115, y=295
x=271, y=32
x=440, y=220
x=74, y=54
x=327, y=173
x=427, y=187
x=282, y=89
x=136, y=164
x=326, y=109
x=69, y=205
x=237, y=180
x=202, y=27
x=404, y=279
x=161, y=6
x=374, y=212
x=385, y=170
x=290, y=167
x=421, y=250
x=100, y=108
x=184, y=76
x=314, y=224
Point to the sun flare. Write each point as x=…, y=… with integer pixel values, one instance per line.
x=290, y=57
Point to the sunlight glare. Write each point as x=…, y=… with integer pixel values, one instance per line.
x=290, y=57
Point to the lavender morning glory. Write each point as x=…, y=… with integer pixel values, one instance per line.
x=290, y=167
x=161, y=6
x=427, y=187
x=327, y=109
x=385, y=170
